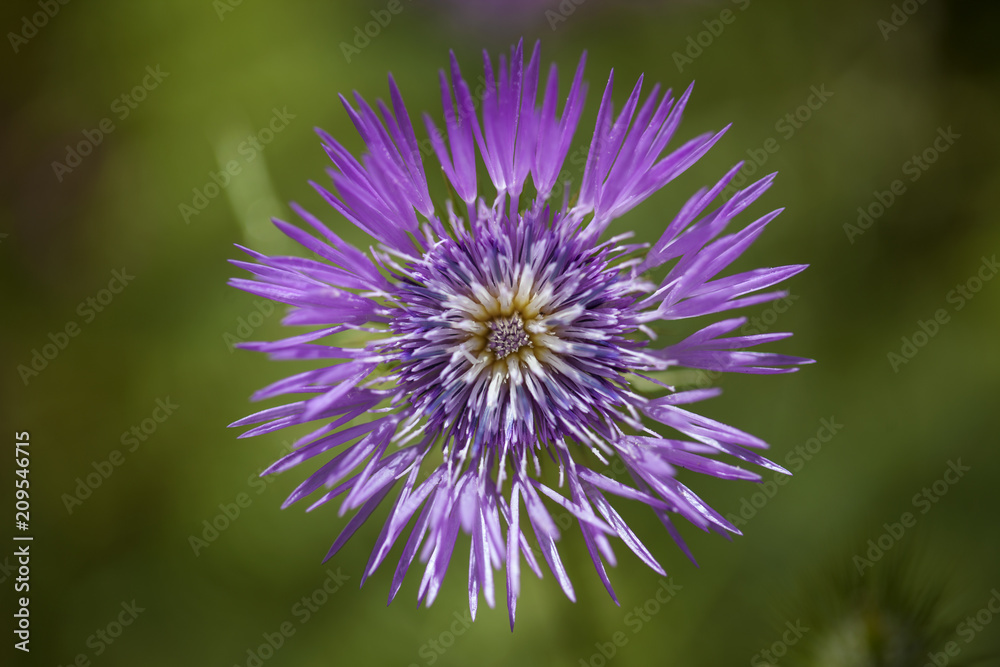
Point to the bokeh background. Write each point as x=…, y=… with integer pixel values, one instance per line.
x=894, y=78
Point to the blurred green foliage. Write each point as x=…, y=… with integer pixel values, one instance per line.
x=228, y=70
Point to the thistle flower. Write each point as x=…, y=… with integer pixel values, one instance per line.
x=506, y=331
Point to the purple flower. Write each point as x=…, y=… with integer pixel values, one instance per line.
x=505, y=335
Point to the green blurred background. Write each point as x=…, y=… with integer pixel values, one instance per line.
x=225, y=70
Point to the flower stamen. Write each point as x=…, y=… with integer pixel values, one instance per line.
x=507, y=335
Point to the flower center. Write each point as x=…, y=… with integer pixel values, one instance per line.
x=507, y=335
x=505, y=328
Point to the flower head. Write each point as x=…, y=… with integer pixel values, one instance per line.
x=506, y=333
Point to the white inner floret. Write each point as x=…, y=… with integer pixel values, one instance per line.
x=508, y=327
